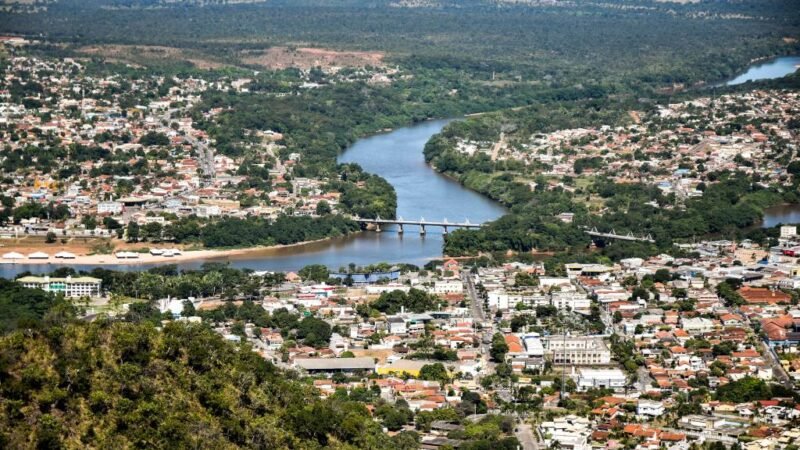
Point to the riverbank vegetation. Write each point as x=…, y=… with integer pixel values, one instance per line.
x=242, y=232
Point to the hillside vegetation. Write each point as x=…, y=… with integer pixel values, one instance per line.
x=129, y=384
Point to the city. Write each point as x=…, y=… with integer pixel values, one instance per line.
x=381, y=224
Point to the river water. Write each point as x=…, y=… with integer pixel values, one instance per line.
x=781, y=214
x=421, y=193
x=774, y=68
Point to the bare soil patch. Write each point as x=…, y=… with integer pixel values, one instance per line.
x=307, y=58
x=149, y=54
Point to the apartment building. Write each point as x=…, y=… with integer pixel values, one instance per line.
x=576, y=350
x=72, y=287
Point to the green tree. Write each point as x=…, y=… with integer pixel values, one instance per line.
x=434, y=372
x=499, y=348
x=132, y=232
x=314, y=272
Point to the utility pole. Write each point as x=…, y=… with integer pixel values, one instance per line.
x=563, y=362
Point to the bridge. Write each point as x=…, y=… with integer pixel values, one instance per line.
x=622, y=237
x=421, y=223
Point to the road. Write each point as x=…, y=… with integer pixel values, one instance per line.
x=205, y=157
x=475, y=303
x=526, y=437
x=476, y=309
x=778, y=372
x=644, y=381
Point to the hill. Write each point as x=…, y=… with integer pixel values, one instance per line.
x=130, y=384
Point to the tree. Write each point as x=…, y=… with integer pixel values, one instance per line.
x=323, y=208
x=434, y=372
x=133, y=231
x=50, y=238
x=110, y=223
x=499, y=348
x=395, y=416
x=662, y=276
x=314, y=272
x=90, y=222
x=472, y=403
x=746, y=389
x=314, y=332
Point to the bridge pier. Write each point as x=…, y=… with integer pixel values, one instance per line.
x=422, y=230
x=400, y=230
x=445, y=229
x=377, y=228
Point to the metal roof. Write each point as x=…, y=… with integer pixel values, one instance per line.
x=335, y=363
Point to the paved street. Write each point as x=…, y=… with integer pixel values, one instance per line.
x=526, y=437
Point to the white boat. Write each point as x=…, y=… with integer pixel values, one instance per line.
x=65, y=255
x=171, y=252
x=127, y=255
x=156, y=251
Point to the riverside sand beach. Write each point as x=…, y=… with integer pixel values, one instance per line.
x=84, y=254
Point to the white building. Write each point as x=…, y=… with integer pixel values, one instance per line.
x=397, y=325
x=207, y=210
x=448, y=287
x=694, y=325
x=503, y=300
x=788, y=231
x=650, y=408
x=69, y=286
x=581, y=350
x=109, y=208
x=570, y=300
x=600, y=378
x=373, y=289
x=568, y=432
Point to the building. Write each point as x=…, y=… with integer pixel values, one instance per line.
x=649, y=408
x=334, y=365
x=397, y=325
x=69, y=286
x=694, y=325
x=600, y=378
x=448, y=287
x=569, y=432
x=761, y=296
x=580, y=351
x=570, y=300
x=109, y=208
x=401, y=367
x=788, y=231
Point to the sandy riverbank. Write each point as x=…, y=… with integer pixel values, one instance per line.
x=144, y=258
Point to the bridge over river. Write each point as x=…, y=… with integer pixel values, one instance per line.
x=422, y=224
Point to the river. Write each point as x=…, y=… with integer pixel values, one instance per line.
x=781, y=214
x=421, y=192
x=773, y=68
